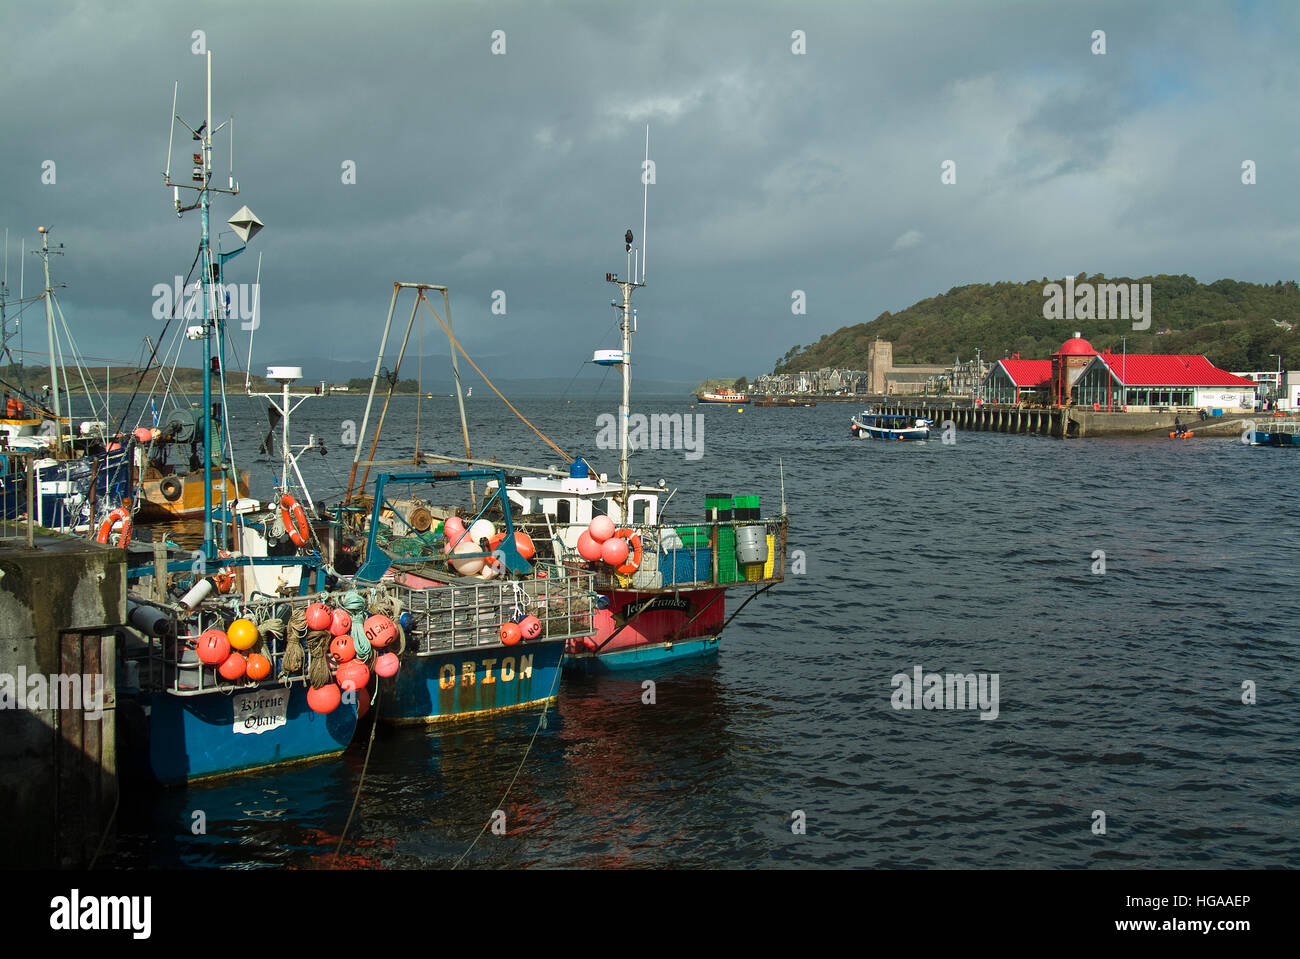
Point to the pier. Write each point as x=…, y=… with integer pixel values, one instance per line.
x=1075, y=423
x=62, y=600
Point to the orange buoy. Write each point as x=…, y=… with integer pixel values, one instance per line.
x=601, y=528
x=213, y=647
x=614, y=551
x=143, y=434
x=354, y=674
x=242, y=634
x=234, y=666
x=530, y=627
x=634, y=545
x=588, y=548
x=259, y=667
x=340, y=622
x=342, y=649
x=295, y=520
x=510, y=633
x=318, y=616
x=326, y=699
x=380, y=631
x=387, y=665
x=524, y=544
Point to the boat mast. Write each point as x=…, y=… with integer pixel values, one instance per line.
x=49, y=321
x=627, y=324
x=210, y=316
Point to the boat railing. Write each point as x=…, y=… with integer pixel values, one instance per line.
x=170, y=663
x=695, y=554
x=470, y=616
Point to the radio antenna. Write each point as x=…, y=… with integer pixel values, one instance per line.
x=645, y=198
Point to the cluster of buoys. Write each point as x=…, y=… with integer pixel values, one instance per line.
x=225, y=650
x=527, y=627
x=601, y=541
x=350, y=666
x=465, y=542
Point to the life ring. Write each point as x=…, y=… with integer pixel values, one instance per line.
x=634, y=547
x=171, y=488
x=120, y=515
x=295, y=520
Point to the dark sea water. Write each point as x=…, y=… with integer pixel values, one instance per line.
x=1118, y=692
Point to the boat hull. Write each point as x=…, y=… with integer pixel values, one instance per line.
x=155, y=507
x=198, y=737
x=681, y=625
x=715, y=398
x=456, y=684
x=65, y=487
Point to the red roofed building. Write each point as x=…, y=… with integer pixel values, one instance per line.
x=1077, y=375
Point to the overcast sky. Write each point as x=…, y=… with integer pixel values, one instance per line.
x=775, y=171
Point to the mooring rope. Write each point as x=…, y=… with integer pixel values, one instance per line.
x=541, y=724
x=456, y=343
x=374, y=723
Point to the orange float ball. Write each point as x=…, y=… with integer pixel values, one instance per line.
x=387, y=665
x=342, y=649
x=588, y=548
x=380, y=631
x=614, y=551
x=353, y=674
x=510, y=633
x=243, y=634
x=259, y=667
x=233, y=668
x=601, y=528
x=326, y=699
x=213, y=647
x=318, y=616
x=524, y=543
x=340, y=622
x=530, y=627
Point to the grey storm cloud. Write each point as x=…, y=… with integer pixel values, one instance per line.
x=775, y=171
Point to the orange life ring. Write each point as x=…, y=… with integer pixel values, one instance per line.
x=634, y=547
x=295, y=520
x=120, y=515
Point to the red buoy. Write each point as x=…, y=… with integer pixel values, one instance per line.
x=326, y=699
x=380, y=630
x=530, y=627
x=387, y=665
x=341, y=648
x=340, y=622
x=233, y=668
x=259, y=667
x=318, y=616
x=213, y=647
x=354, y=674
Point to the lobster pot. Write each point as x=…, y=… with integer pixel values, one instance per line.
x=727, y=572
x=691, y=537
x=751, y=545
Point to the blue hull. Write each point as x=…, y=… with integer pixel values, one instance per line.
x=640, y=657
x=470, y=682
x=193, y=737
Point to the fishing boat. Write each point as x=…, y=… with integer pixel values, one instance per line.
x=663, y=585
x=76, y=478
x=234, y=657
x=1280, y=435
x=870, y=425
x=485, y=620
x=723, y=394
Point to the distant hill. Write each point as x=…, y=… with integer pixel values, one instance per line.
x=1232, y=323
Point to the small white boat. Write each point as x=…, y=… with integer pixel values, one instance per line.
x=890, y=426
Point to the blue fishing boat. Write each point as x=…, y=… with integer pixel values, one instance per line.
x=870, y=425
x=234, y=657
